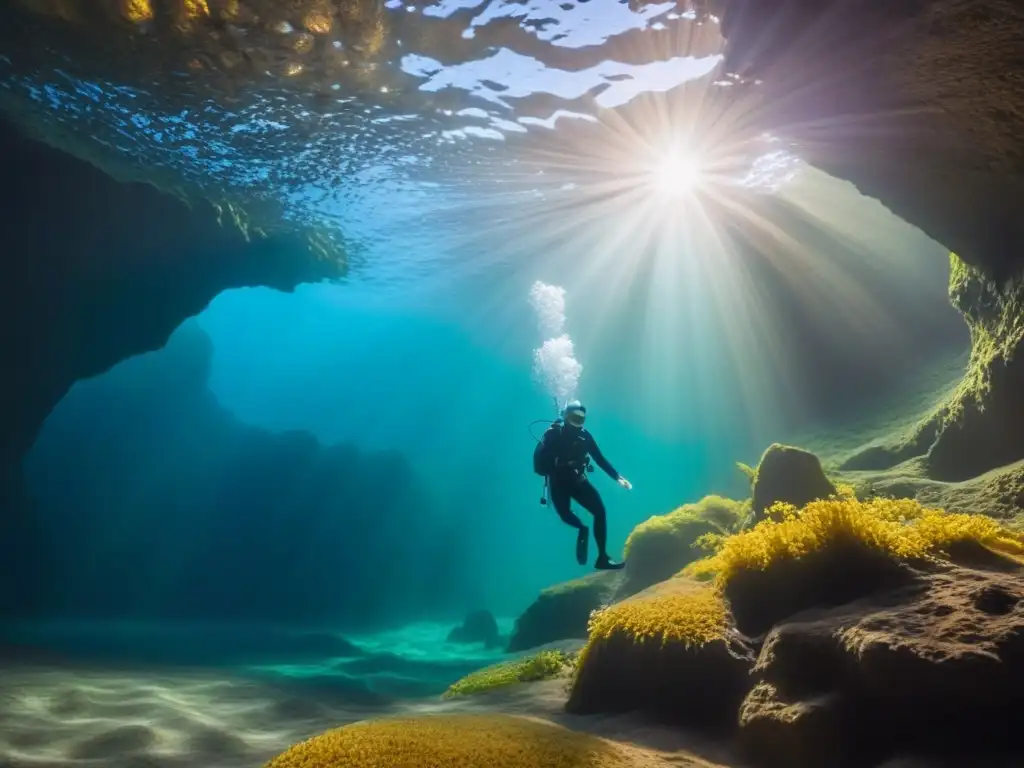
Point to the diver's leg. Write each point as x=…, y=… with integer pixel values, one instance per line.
x=590, y=499
x=561, y=499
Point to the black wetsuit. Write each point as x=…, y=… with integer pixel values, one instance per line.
x=571, y=448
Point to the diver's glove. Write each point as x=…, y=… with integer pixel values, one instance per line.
x=625, y=483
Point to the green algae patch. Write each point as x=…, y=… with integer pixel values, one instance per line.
x=455, y=741
x=659, y=547
x=544, y=665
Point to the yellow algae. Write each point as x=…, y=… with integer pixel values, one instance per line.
x=137, y=11
x=902, y=528
x=454, y=741
x=539, y=666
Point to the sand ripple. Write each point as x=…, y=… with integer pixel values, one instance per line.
x=55, y=718
x=103, y=718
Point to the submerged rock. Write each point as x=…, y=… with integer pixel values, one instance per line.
x=936, y=666
x=887, y=629
x=790, y=475
x=477, y=627
x=98, y=271
x=966, y=453
x=982, y=427
x=562, y=612
x=669, y=651
x=661, y=546
x=542, y=665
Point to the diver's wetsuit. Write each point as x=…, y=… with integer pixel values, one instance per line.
x=571, y=446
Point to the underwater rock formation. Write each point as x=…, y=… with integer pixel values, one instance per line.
x=561, y=612
x=983, y=426
x=543, y=665
x=141, y=473
x=917, y=104
x=668, y=651
x=933, y=667
x=790, y=475
x=966, y=453
x=662, y=545
x=477, y=627
x=878, y=628
x=98, y=271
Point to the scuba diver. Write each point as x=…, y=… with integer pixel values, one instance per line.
x=563, y=457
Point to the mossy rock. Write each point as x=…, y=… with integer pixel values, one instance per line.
x=432, y=741
x=979, y=427
x=789, y=475
x=837, y=550
x=661, y=546
x=982, y=425
x=669, y=651
x=561, y=612
x=543, y=665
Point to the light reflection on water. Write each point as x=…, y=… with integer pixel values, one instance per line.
x=383, y=175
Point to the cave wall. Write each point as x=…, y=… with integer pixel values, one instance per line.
x=919, y=104
x=96, y=271
x=149, y=500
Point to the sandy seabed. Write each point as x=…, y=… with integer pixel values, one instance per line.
x=52, y=717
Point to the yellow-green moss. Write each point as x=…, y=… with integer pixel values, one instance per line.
x=454, y=741
x=679, y=611
x=902, y=528
x=661, y=545
x=685, y=524
x=543, y=665
x=997, y=329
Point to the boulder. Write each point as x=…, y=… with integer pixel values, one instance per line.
x=562, y=612
x=934, y=667
x=669, y=651
x=477, y=627
x=790, y=475
x=662, y=545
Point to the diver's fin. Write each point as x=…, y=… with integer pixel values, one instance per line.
x=582, y=537
x=604, y=563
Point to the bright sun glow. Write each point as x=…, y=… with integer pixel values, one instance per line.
x=678, y=173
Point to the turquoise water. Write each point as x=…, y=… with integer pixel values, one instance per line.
x=356, y=456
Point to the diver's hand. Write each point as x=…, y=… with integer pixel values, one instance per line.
x=625, y=483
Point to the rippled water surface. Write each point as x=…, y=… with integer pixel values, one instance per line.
x=381, y=119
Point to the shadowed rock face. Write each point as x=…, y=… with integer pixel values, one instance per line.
x=96, y=271
x=933, y=668
x=150, y=501
x=920, y=104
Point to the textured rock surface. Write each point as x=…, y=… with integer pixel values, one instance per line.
x=663, y=653
x=966, y=454
x=97, y=271
x=561, y=612
x=661, y=546
x=919, y=104
x=937, y=666
x=790, y=475
x=477, y=627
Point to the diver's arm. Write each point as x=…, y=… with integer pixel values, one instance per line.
x=602, y=462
